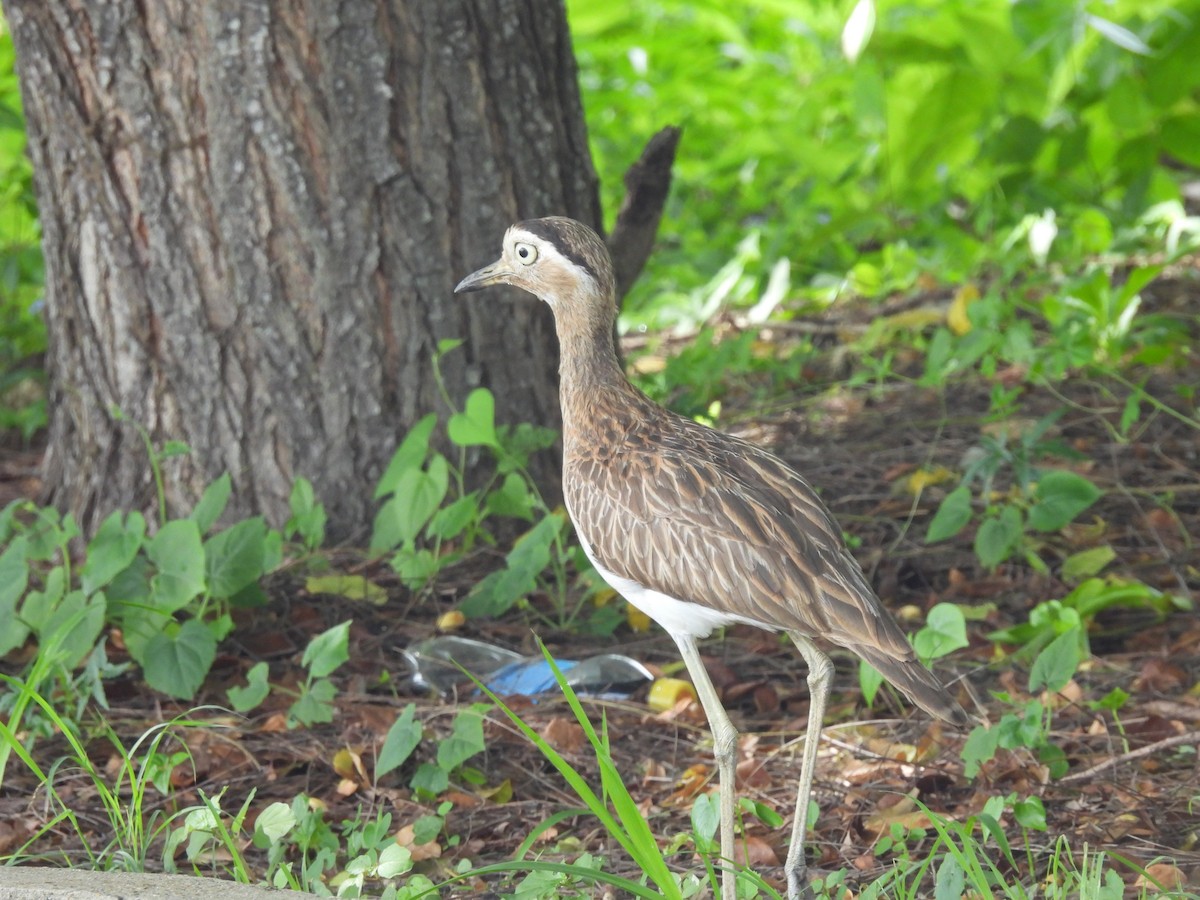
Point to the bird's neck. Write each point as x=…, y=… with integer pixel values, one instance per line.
x=589, y=372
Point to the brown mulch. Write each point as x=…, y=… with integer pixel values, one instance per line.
x=1133, y=777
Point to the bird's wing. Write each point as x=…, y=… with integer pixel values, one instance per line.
x=701, y=516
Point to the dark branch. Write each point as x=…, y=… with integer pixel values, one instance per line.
x=646, y=186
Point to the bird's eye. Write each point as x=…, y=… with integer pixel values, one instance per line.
x=526, y=253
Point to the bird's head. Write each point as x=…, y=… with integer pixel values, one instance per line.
x=558, y=260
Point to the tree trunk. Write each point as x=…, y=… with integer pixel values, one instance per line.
x=254, y=213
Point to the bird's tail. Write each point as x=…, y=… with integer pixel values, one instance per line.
x=917, y=683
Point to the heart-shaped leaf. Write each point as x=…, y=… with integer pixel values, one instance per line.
x=476, y=424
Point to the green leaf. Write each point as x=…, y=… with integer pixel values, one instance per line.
x=1056, y=664
x=951, y=517
x=74, y=627
x=327, y=650
x=177, y=664
x=275, y=822
x=1087, y=563
x=513, y=498
x=465, y=740
x=430, y=779
x=869, y=681
x=706, y=816
x=452, y=520
x=234, y=557
x=112, y=549
x=308, y=516
x=178, y=557
x=476, y=424
x=212, y=503
x=45, y=533
x=1132, y=410
x=244, y=699
x=315, y=704
x=427, y=828
x=417, y=496
x=980, y=747
x=14, y=576
x=39, y=606
x=951, y=880
x=945, y=631
x=528, y=558
x=402, y=739
x=249, y=597
x=174, y=448
x=415, y=567
x=410, y=455
x=1059, y=498
x=998, y=536
x=1030, y=813
x=395, y=860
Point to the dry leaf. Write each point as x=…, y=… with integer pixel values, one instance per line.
x=346, y=787
x=563, y=735
x=430, y=850
x=349, y=764
x=752, y=773
x=1160, y=676
x=276, y=723
x=754, y=852
x=501, y=793
x=1162, y=877
x=460, y=799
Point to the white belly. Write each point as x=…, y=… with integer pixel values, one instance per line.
x=677, y=617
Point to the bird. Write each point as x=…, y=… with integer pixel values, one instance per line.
x=696, y=528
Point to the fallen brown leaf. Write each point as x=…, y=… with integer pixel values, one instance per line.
x=430, y=850
x=752, y=773
x=1162, y=877
x=753, y=851
x=563, y=735
x=1160, y=676
x=276, y=723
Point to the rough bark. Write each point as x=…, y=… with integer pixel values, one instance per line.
x=254, y=212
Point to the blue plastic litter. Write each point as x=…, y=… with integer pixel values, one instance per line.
x=435, y=666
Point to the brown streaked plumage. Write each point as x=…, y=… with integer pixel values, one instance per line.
x=695, y=527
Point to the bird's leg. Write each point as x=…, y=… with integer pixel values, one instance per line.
x=820, y=674
x=724, y=749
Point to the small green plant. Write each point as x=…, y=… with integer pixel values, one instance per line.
x=429, y=520
x=1051, y=619
x=1029, y=724
x=1055, y=638
x=1042, y=500
x=431, y=778
x=313, y=703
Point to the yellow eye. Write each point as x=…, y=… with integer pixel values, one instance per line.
x=526, y=253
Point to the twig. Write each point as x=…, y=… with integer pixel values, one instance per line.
x=1190, y=737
